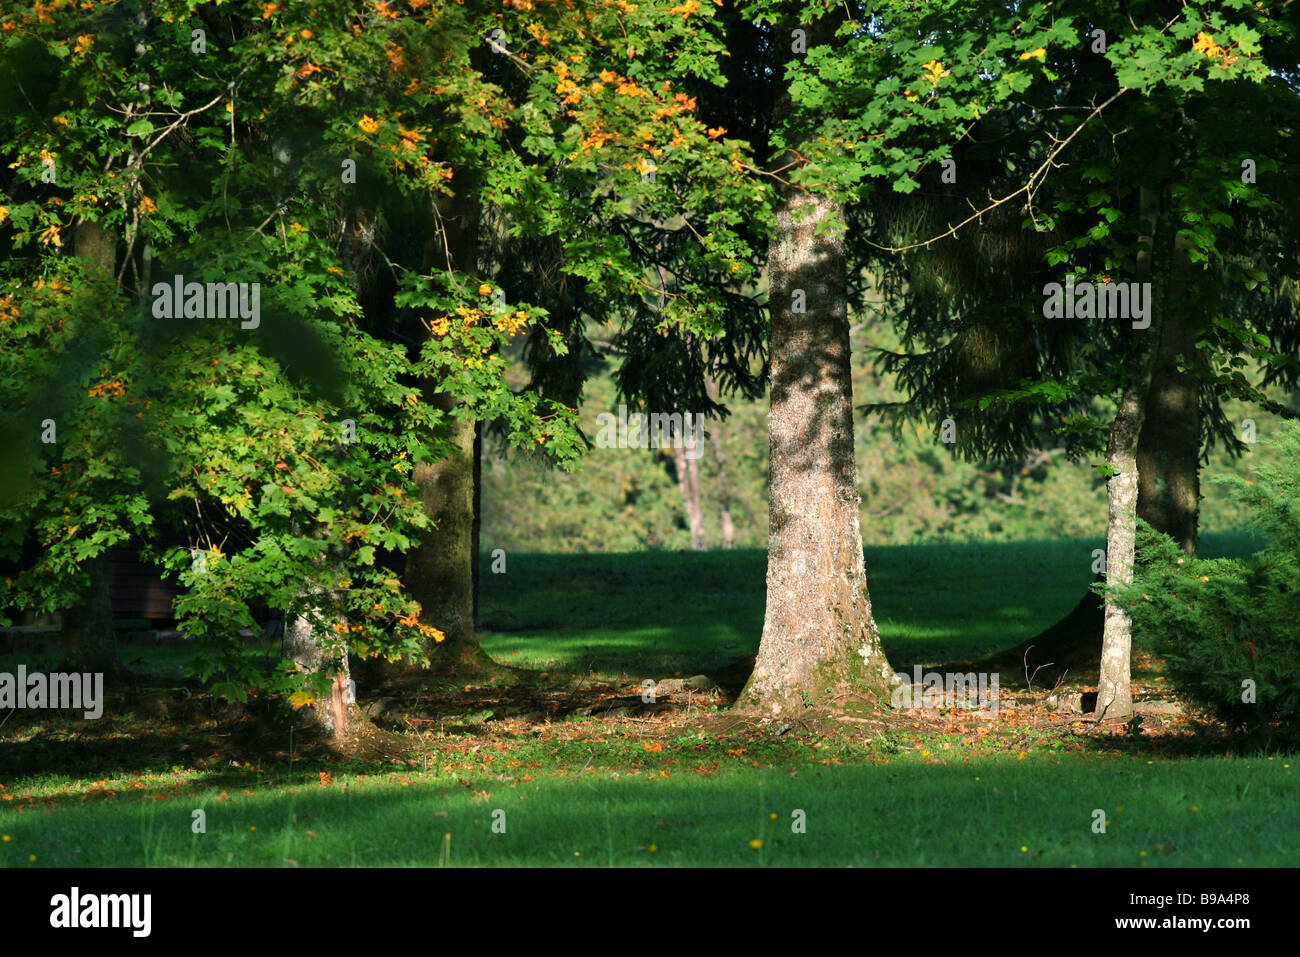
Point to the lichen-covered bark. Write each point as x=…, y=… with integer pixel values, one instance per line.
x=1114, y=687
x=303, y=647
x=819, y=637
x=1114, y=692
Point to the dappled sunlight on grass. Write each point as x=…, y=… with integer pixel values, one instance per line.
x=900, y=811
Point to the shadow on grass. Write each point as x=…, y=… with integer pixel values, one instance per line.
x=1038, y=812
x=690, y=611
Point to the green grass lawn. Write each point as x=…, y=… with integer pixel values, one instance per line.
x=594, y=792
x=682, y=611
x=992, y=812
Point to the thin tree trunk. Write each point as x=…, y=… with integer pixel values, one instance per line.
x=724, y=490
x=88, y=642
x=819, y=639
x=476, y=536
x=1168, y=466
x=688, y=479
x=1114, y=693
x=1114, y=687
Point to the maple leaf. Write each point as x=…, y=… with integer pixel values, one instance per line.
x=1205, y=44
x=936, y=71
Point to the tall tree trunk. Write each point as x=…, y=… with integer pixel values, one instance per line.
x=88, y=642
x=1114, y=694
x=1114, y=688
x=820, y=643
x=724, y=490
x=440, y=569
x=819, y=640
x=1168, y=466
x=1169, y=449
x=688, y=480
x=476, y=536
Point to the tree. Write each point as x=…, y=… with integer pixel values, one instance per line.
x=818, y=621
x=1088, y=231
x=820, y=641
x=289, y=434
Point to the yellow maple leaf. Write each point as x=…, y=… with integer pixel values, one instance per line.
x=300, y=699
x=1205, y=44
x=428, y=631
x=1039, y=54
